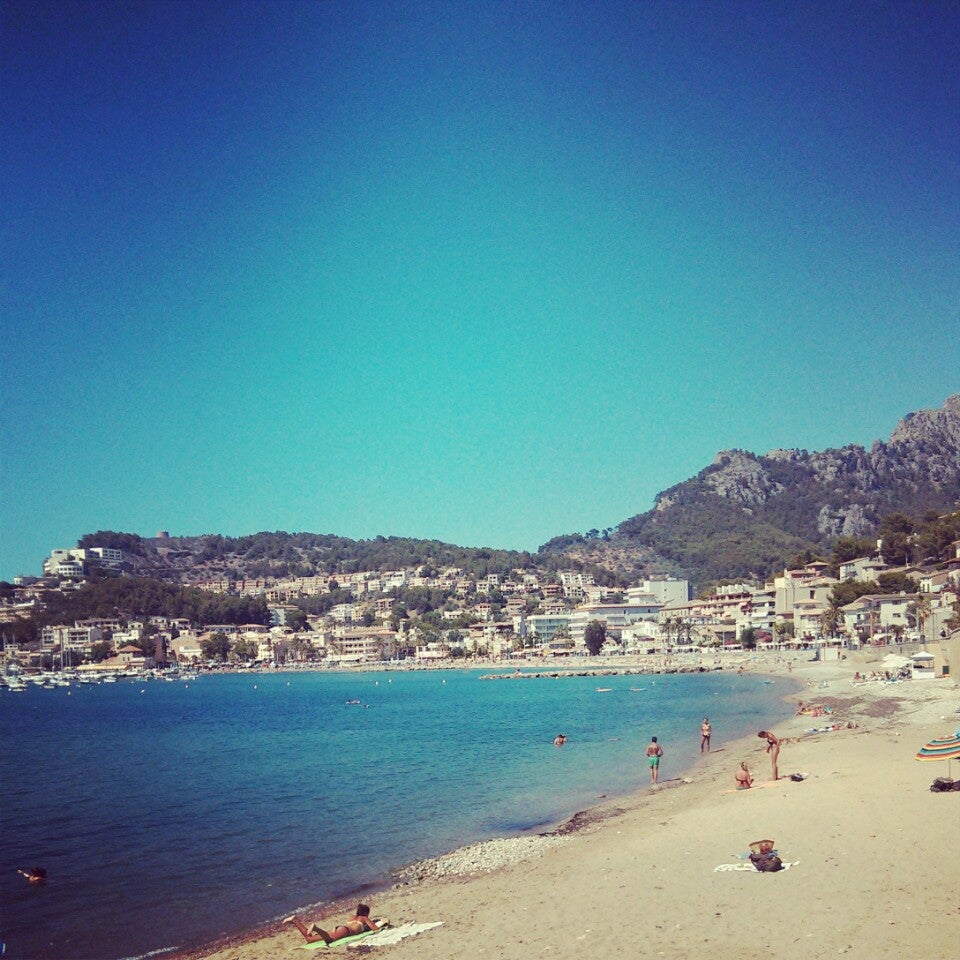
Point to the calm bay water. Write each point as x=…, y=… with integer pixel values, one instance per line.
x=168, y=814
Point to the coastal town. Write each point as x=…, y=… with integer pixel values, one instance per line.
x=427, y=616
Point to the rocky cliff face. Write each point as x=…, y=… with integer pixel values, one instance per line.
x=921, y=459
x=777, y=500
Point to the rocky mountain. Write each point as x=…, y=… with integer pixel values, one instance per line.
x=745, y=513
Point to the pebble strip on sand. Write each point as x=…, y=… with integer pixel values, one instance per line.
x=477, y=858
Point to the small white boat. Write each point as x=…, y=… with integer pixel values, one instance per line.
x=604, y=689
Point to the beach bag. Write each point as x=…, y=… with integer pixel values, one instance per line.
x=944, y=784
x=766, y=862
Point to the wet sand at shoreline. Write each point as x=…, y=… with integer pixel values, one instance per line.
x=879, y=854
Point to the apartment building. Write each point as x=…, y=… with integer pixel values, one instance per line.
x=615, y=616
x=665, y=590
x=796, y=585
x=544, y=626
x=62, y=637
x=862, y=568
x=874, y=614
x=367, y=644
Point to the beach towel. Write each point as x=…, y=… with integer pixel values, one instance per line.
x=395, y=934
x=749, y=867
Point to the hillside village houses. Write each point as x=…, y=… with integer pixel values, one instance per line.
x=501, y=617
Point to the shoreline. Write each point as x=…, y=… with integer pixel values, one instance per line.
x=436, y=869
x=871, y=841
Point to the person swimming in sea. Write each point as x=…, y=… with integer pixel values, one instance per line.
x=560, y=740
x=34, y=875
x=360, y=922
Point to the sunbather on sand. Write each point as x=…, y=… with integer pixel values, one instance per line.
x=742, y=777
x=360, y=922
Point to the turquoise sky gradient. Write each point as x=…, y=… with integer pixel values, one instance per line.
x=480, y=272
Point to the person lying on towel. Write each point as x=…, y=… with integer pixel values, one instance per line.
x=360, y=922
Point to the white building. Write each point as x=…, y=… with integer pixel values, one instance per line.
x=664, y=589
x=794, y=586
x=544, y=626
x=62, y=637
x=862, y=568
x=874, y=614
x=614, y=616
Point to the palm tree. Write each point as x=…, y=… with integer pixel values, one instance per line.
x=783, y=629
x=920, y=608
x=829, y=621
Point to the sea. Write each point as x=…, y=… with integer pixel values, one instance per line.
x=169, y=814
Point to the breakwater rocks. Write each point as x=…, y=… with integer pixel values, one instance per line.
x=604, y=672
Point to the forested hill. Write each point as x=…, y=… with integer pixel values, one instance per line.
x=280, y=554
x=746, y=513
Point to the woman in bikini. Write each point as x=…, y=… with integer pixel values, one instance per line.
x=742, y=777
x=360, y=922
x=773, y=748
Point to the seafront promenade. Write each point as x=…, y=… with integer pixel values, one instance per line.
x=875, y=854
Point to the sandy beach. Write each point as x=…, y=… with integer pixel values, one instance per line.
x=874, y=854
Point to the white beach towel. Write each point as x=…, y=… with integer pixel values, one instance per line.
x=749, y=867
x=383, y=938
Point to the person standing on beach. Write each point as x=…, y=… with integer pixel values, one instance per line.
x=654, y=753
x=773, y=748
x=705, y=731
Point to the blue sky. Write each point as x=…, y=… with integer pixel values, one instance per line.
x=479, y=272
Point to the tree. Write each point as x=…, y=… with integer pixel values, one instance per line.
x=896, y=536
x=846, y=549
x=301, y=648
x=147, y=641
x=829, y=622
x=100, y=651
x=748, y=637
x=243, y=650
x=594, y=636
x=849, y=590
x=920, y=608
x=896, y=583
x=215, y=647
x=783, y=629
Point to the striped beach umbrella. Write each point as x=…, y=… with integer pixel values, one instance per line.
x=943, y=748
